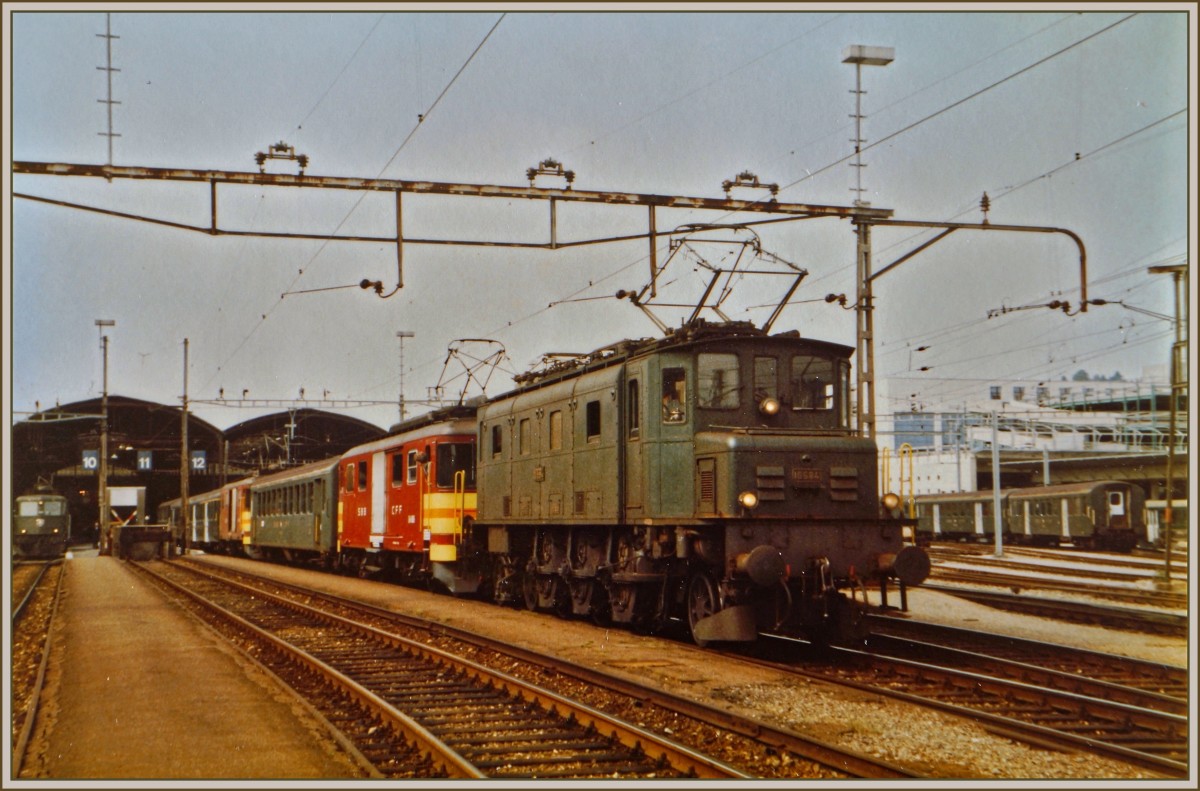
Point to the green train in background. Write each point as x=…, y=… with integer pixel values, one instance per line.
x=41, y=525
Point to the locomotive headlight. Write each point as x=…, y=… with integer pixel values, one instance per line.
x=769, y=406
x=748, y=500
x=891, y=501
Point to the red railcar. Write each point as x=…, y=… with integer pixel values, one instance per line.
x=404, y=500
x=234, y=525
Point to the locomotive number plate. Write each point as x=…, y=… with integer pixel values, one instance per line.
x=806, y=477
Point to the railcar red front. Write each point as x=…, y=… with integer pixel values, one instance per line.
x=404, y=501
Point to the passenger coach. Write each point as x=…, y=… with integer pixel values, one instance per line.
x=1089, y=514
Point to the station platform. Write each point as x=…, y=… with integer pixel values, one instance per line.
x=137, y=689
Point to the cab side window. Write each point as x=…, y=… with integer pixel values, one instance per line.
x=634, y=405
x=674, y=395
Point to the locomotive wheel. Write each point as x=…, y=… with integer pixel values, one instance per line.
x=601, y=613
x=702, y=601
x=529, y=589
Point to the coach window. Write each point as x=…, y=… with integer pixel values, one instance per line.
x=674, y=395
x=634, y=405
x=556, y=430
x=497, y=440
x=593, y=421
x=524, y=448
x=718, y=381
x=397, y=469
x=812, y=383
x=362, y=476
x=412, y=466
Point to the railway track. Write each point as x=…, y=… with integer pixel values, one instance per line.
x=1074, y=565
x=700, y=725
x=1134, y=682
x=1029, y=710
x=37, y=589
x=975, y=572
x=25, y=578
x=1124, y=618
x=455, y=717
x=1143, y=561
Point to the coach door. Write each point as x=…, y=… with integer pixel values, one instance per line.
x=1117, y=517
x=379, y=489
x=634, y=472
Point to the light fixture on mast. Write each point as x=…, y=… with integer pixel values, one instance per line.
x=402, y=334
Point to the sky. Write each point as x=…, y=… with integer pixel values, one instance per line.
x=1066, y=118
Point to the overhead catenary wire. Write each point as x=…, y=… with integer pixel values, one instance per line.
x=509, y=324
x=420, y=119
x=955, y=104
x=342, y=71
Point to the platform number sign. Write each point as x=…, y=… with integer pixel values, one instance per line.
x=199, y=461
x=145, y=460
x=91, y=460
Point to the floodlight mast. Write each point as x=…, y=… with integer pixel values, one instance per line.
x=102, y=484
x=861, y=56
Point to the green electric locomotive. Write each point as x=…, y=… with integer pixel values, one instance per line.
x=711, y=477
x=41, y=525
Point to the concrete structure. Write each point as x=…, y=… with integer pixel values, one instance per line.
x=935, y=435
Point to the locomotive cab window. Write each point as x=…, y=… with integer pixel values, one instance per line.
x=811, y=383
x=348, y=482
x=451, y=459
x=397, y=469
x=556, y=430
x=497, y=440
x=766, y=381
x=634, y=405
x=674, y=395
x=362, y=476
x=718, y=380
x=593, y=421
x=412, y=466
